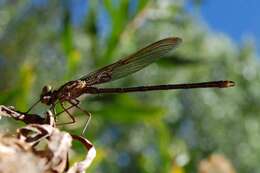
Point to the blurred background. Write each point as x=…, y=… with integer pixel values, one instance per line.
x=50, y=42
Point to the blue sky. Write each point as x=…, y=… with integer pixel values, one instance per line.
x=239, y=19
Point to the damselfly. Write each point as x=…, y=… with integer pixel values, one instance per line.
x=70, y=91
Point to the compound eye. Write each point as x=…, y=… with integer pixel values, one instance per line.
x=46, y=89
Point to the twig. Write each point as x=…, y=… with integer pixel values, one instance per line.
x=55, y=155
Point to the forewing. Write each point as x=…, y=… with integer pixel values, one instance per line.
x=132, y=63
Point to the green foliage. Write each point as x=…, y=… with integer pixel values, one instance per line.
x=145, y=132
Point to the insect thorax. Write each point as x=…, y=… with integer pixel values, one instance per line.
x=71, y=90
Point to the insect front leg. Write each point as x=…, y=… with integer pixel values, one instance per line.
x=53, y=110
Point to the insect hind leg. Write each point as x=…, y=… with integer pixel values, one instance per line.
x=67, y=111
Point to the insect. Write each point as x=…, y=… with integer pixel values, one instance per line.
x=70, y=91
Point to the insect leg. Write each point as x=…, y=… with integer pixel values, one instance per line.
x=71, y=116
x=84, y=111
x=57, y=114
x=53, y=110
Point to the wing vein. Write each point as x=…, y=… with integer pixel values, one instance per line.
x=133, y=62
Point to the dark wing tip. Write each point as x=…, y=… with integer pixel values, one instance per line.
x=170, y=41
x=173, y=40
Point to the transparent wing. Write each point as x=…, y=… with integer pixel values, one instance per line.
x=132, y=63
